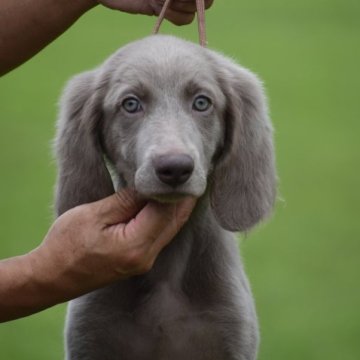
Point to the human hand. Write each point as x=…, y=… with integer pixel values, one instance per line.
x=95, y=244
x=180, y=12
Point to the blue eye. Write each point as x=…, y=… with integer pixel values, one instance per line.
x=131, y=105
x=201, y=103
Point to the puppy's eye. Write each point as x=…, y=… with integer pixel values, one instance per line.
x=131, y=105
x=201, y=103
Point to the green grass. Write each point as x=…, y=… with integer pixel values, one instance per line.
x=304, y=263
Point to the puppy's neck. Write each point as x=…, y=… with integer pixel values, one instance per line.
x=193, y=238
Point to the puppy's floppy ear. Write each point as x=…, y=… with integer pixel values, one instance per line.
x=244, y=181
x=82, y=174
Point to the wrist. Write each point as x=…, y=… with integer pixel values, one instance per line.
x=47, y=277
x=54, y=273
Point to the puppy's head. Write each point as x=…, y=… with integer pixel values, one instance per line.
x=172, y=119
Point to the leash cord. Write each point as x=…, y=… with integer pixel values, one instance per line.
x=200, y=11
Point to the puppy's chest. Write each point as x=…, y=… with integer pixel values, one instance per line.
x=168, y=326
x=171, y=323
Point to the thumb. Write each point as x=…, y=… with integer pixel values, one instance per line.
x=159, y=223
x=119, y=207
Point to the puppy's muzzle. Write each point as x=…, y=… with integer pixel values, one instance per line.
x=173, y=169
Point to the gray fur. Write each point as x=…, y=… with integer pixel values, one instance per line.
x=195, y=303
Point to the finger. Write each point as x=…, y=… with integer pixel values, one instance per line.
x=188, y=6
x=183, y=6
x=179, y=18
x=182, y=214
x=208, y=3
x=157, y=219
x=119, y=207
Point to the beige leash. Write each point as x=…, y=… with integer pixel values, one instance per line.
x=200, y=10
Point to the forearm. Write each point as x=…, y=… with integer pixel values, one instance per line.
x=27, y=26
x=20, y=293
x=36, y=281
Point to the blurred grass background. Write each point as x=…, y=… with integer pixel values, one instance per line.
x=304, y=263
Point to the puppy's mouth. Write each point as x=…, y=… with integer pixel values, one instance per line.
x=169, y=198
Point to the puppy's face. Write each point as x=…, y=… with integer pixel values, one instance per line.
x=163, y=120
x=168, y=115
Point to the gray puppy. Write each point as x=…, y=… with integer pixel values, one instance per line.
x=170, y=118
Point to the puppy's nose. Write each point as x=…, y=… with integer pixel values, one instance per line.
x=173, y=169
